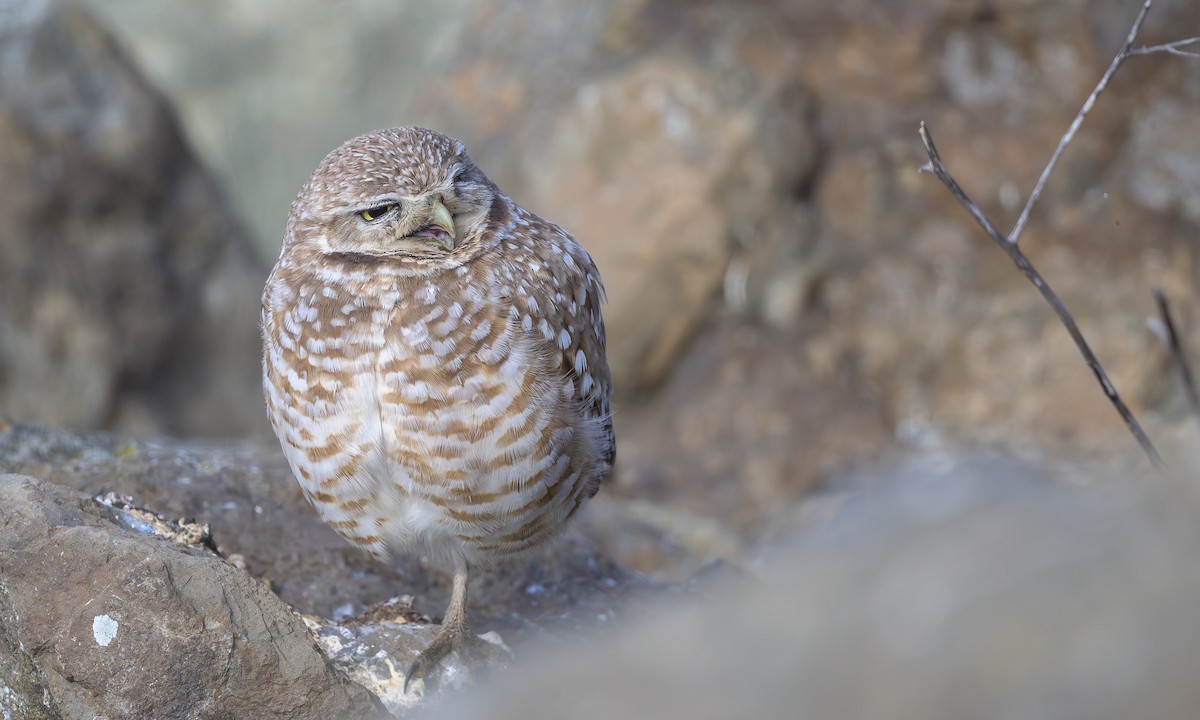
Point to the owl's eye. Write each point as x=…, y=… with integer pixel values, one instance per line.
x=372, y=214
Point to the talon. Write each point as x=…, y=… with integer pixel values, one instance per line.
x=429, y=659
x=412, y=673
x=453, y=636
x=473, y=651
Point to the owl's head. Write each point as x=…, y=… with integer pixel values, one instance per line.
x=404, y=193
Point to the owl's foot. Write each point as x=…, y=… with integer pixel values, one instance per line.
x=455, y=636
x=473, y=651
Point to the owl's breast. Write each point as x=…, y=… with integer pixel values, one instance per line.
x=478, y=430
x=430, y=417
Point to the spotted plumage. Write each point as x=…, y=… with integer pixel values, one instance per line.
x=434, y=360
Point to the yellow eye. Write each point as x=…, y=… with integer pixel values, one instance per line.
x=372, y=214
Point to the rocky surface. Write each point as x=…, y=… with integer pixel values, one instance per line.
x=127, y=287
x=952, y=340
x=255, y=511
x=273, y=550
x=101, y=621
x=935, y=585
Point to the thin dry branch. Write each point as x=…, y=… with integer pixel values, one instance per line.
x=1011, y=249
x=1177, y=352
x=1069, y=135
x=1172, y=48
x=1008, y=243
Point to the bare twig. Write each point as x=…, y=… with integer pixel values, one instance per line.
x=1177, y=353
x=1008, y=243
x=1069, y=135
x=1172, y=48
x=1011, y=249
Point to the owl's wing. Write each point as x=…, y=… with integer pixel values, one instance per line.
x=567, y=293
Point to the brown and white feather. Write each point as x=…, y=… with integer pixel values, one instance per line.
x=449, y=403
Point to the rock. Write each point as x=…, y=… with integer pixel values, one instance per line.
x=249, y=508
x=748, y=423
x=116, y=623
x=954, y=341
x=377, y=655
x=942, y=586
x=248, y=501
x=128, y=291
x=240, y=86
x=1163, y=166
x=254, y=509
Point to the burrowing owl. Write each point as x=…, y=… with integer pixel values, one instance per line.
x=434, y=361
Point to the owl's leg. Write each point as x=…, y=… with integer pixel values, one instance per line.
x=454, y=635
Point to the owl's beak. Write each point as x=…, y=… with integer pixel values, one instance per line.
x=439, y=216
x=439, y=227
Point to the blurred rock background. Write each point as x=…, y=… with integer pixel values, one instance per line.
x=788, y=295
x=792, y=305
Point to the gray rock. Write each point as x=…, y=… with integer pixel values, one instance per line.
x=110, y=622
x=255, y=510
x=128, y=291
x=249, y=508
x=949, y=587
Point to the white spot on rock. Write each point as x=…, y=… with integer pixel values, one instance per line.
x=104, y=629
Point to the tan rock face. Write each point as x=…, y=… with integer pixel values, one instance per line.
x=663, y=251
x=948, y=333
x=678, y=143
x=747, y=426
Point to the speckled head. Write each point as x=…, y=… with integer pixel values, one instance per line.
x=404, y=192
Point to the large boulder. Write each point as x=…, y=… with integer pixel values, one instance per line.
x=100, y=620
x=128, y=291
